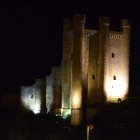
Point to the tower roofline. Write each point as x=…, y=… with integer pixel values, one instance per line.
x=104, y=20
x=80, y=18
x=126, y=23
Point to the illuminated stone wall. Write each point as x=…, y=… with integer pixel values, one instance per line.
x=49, y=93
x=67, y=67
x=113, y=67
x=103, y=31
x=92, y=69
x=76, y=94
x=31, y=97
x=85, y=64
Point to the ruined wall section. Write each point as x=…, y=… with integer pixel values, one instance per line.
x=67, y=66
x=92, y=68
x=57, y=88
x=43, y=94
x=31, y=97
x=49, y=93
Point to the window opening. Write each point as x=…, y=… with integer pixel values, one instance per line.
x=31, y=96
x=93, y=76
x=113, y=55
x=114, y=77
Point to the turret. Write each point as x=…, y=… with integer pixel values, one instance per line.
x=66, y=66
x=104, y=23
x=125, y=24
x=76, y=97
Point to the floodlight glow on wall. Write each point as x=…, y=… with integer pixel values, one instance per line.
x=115, y=89
x=76, y=99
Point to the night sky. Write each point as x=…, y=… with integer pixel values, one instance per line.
x=31, y=36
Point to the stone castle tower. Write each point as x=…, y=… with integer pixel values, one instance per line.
x=94, y=69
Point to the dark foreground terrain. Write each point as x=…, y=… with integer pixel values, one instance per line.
x=112, y=122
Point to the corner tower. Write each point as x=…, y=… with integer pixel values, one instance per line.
x=116, y=66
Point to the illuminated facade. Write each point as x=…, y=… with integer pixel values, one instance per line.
x=94, y=69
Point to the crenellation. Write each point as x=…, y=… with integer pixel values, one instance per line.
x=114, y=36
x=89, y=32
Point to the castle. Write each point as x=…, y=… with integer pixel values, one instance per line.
x=94, y=69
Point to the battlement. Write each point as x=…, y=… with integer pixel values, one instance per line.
x=113, y=34
x=89, y=32
x=78, y=23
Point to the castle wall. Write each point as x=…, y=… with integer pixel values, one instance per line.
x=94, y=69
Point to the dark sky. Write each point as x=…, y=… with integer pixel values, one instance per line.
x=31, y=36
